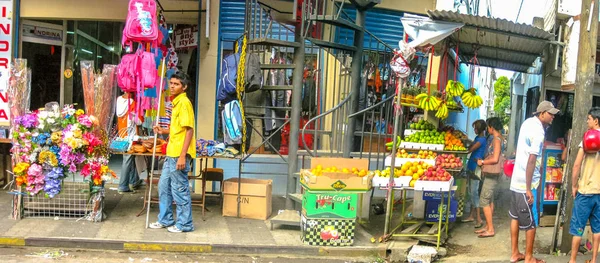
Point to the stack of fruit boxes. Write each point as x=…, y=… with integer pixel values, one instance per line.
x=329, y=215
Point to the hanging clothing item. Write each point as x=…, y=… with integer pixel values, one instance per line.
x=375, y=80
x=275, y=98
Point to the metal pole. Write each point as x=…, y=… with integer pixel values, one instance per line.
x=359, y=37
x=390, y=190
x=295, y=118
x=154, y=148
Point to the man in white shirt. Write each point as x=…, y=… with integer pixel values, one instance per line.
x=526, y=179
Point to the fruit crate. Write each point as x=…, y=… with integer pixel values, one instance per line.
x=329, y=205
x=402, y=181
x=401, y=161
x=335, y=182
x=421, y=146
x=438, y=186
x=327, y=232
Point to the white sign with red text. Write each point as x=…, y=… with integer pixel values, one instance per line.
x=6, y=32
x=186, y=37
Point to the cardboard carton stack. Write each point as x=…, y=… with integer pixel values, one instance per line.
x=330, y=202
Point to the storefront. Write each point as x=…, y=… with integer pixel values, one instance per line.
x=62, y=34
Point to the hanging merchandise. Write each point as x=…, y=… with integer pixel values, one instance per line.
x=141, y=24
x=232, y=123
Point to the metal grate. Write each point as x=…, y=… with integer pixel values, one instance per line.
x=72, y=202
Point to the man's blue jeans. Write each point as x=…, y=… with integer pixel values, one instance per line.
x=174, y=186
x=129, y=175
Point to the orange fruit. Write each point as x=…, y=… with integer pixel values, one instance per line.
x=409, y=173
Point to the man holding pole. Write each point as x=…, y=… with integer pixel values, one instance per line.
x=525, y=180
x=586, y=189
x=173, y=183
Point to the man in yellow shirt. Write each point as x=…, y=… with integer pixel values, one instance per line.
x=173, y=184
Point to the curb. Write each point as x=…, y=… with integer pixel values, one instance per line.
x=82, y=243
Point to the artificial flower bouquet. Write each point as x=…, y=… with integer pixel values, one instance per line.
x=51, y=143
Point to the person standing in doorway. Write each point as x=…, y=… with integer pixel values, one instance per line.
x=526, y=180
x=174, y=183
x=586, y=191
x=477, y=150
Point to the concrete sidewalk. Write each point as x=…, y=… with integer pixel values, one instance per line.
x=122, y=230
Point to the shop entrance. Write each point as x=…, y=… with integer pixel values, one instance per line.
x=42, y=45
x=45, y=63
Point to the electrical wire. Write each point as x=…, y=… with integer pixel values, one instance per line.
x=519, y=13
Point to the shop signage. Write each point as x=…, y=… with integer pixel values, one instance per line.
x=42, y=32
x=6, y=32
x=186, y=37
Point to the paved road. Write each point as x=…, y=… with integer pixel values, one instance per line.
x=41, y=255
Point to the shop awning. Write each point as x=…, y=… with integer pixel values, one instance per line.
x=498, y=43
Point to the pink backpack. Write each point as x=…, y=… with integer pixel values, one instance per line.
x=141, y=24
x=136, y=72
x=139, y=66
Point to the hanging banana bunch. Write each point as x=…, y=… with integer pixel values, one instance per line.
x=454, y=88
x=471, y=99
x=442, y=111
x=427, y=102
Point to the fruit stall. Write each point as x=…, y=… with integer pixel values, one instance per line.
x=426, y=157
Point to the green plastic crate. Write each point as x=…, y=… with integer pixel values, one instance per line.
x=329, y=205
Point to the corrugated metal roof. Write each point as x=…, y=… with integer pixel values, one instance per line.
x=491, y=23
x=498, y=43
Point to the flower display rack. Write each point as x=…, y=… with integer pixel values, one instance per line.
x=73, y=202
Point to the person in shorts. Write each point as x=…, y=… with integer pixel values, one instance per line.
x=490, y=180
x=526, y=179
x=586, y=191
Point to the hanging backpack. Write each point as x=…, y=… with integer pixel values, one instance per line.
x=139, y=66
x=252, y=73
x=226, y=90
x=141, y=24
x=127, y=73
x=232, y=123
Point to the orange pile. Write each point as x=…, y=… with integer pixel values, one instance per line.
x=452, y=143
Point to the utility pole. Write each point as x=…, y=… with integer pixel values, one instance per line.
x=584, y=87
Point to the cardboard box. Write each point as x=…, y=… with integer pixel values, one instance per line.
x=327, y=232
x=329, y=205
x=432, y=212
x=336, y=181
x=255, y=198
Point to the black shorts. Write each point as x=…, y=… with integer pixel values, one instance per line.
x=525, y=213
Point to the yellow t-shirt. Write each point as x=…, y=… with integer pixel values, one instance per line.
x=182, y=116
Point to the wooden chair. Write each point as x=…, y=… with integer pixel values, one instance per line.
x=213, y=175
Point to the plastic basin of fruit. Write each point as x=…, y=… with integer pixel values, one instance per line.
x=401, y=161
x=434, y=185
x=402, y=181
x=421, y=146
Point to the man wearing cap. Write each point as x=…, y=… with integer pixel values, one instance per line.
x=526, y=179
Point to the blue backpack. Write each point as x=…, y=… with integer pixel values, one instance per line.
x=226, y=91
x=232, y=123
